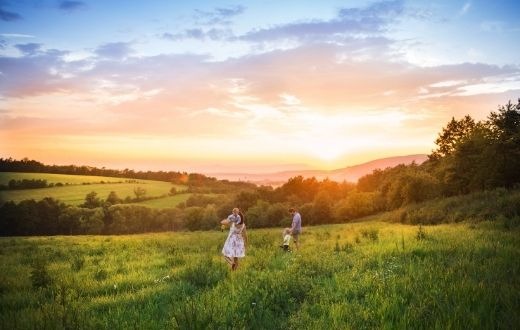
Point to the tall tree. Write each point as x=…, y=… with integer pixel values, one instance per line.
x=451, y=135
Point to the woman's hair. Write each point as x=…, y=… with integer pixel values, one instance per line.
x=242, y=218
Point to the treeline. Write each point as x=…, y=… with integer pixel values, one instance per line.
x=52, y=217
x=24, y=184
x=196, y=182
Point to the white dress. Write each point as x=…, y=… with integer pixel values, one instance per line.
x=234, y=245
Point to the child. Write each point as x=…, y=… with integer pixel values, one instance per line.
x=286, y=239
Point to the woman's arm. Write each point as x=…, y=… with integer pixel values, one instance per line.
x=225, y=222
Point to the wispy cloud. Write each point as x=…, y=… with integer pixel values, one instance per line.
x=373, y=19
x=8, y=16
x=70, y=6
x=200, y=34
x=114, y=50
x=465, y=8
x=29, y=49
x=16, y=35
x=220, y=15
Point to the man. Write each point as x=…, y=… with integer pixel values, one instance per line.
x=296, y=227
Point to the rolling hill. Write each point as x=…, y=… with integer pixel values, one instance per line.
x=350, y=173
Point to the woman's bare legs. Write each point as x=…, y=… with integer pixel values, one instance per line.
x=229, y=260
x=235, y=263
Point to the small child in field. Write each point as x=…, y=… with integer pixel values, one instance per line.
x=286, y=239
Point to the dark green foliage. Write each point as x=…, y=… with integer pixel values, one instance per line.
x=452, y=135
x=25, y=184
x=77, y=263
x=204, y=273
x=40, y=277
x=195, y=314
x=113, y=198
x=479, y=206
x=421, y=234
x=100, y=274
x=92, y=201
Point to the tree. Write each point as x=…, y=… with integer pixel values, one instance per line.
x=245, y=199
x=209, y=217
x=91, y=201
x=257, y=216
x=139, y=192
x=451, y=136
x=91, y=221
x=113, y=199
x=505, y=128
x=322, y=209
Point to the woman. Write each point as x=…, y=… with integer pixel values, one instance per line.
x=235, y=245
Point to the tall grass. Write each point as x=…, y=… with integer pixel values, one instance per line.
x=358, y=276
x=500, y=204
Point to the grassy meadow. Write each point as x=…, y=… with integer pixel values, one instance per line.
x=351, y=276
x=76, y=187
x=165, y=202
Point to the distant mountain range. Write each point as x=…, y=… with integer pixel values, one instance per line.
x=350, y=173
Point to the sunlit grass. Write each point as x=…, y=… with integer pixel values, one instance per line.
x=360, y=275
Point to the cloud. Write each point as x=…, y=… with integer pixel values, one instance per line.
x=318, y=98
x=8, y=16
x=29, y=49
x=200, y=34
x=16, y=35
x=269, y=94
x=220, y=15
x=465, y=9
x=114, y=50
x=71, y=6
x=373, y=19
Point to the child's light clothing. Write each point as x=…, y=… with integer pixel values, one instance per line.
x=286, y=239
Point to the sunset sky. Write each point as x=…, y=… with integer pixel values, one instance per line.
x=219, y=86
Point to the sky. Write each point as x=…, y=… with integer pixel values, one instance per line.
x=247, y=86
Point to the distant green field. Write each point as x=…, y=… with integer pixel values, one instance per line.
x=369, y=275
x=55, y=178
x=166, y=202
x=76, y=192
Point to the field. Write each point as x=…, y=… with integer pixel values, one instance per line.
x=350, y=276
x=79, y=186
x=165, y=202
